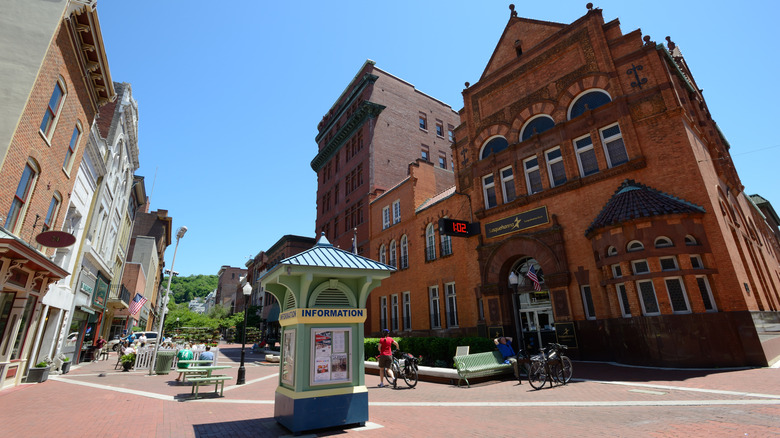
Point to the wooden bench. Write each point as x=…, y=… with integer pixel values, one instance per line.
x=218, y=381
x=480, y=365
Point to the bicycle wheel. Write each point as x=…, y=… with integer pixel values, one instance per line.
x=537, y=375
x=410, y=376
x=395, y=370
x=563, y=370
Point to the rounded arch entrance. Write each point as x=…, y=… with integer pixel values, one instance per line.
x=522, y=307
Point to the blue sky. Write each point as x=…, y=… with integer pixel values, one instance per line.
x=230, y=93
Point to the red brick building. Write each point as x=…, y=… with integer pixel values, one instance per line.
x=606, y=192
x=377, y=115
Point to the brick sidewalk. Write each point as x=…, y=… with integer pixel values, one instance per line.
x=96, y=400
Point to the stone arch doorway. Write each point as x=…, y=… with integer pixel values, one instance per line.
x=521, y=311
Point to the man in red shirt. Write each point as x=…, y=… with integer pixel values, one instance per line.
x=386, y=356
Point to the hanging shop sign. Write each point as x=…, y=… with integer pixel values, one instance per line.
x=519, y=222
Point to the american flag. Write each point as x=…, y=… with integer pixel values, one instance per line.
x=532, y=275
x=354, y=243
x=137, y=303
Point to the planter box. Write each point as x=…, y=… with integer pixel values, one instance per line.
x=38, y=375
x=65, y=367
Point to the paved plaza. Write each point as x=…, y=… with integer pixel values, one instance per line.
x=95, y=400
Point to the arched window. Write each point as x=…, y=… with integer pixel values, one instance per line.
x=393, y=259
x=382, y=254
x=404, y=252
x=493, y=146
x=75, y=139
x=690, y=240
x=53, y=108
x=536, y=125
x=525, y=281
x=634, y=245
x=611, y=251
x=446, y=245
x=589, y=100
x=663, y=242
x=22, y=195
x=430, y=243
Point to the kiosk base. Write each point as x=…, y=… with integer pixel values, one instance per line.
x=321, y=409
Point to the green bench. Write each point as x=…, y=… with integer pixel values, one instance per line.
x=218, y=381
x=481, y=365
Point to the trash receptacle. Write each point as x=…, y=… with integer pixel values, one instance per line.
x=164, y=362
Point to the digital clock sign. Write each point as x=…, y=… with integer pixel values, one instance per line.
x=454, y=227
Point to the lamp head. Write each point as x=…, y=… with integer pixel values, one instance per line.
x=247, y=289
x=180, y=232
x=513, y=279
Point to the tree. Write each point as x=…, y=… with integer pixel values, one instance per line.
x=185, y=289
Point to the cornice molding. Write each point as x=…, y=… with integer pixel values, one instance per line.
x=366, y=110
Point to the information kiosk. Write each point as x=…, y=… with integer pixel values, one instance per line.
x=322, y=293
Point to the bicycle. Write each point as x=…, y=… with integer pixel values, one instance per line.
x=550, y=365
x=406, y=367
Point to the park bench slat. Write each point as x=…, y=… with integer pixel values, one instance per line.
x=480, y=365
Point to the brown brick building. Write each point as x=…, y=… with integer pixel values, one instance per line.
x=591, y=162
x=377, y=115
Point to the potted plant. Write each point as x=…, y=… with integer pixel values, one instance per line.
x=128, y=360
x=65, y=365
x=40, y=372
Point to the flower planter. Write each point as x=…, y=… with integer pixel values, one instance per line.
x=38, y=375
x=65, y=367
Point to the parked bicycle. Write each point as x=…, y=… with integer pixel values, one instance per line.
x=551, y=365
x=405, y=366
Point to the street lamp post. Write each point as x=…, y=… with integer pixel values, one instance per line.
x=247, y=291
x=513, y=283
x=164, y=307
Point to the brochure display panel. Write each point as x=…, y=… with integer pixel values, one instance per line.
x=288, y=357
x=331, y=355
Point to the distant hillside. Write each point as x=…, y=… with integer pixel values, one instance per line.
x=184, y=289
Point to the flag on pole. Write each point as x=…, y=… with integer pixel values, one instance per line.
x=354, y=243
x=137, y=303
x=532, y=275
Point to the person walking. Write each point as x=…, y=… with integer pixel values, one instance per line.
x=184, y=354
x=386, y=357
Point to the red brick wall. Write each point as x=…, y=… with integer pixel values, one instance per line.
x=28, y=143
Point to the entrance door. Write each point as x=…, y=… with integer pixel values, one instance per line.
x=537, y=325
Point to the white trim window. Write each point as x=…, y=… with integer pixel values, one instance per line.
x=587, y=302
x=404, y=252
x=696, y=262
x=622, y=294
x=677, y=295
x=433, y=297
x=640, y=267
x=385, y=217
x=382, y=313
x=533, y=178
x=451, y=305
x=706, y=293
x=489, y=191
x=430, y=243
x=383, y=254
x=393, y=258
x=73, y=146
x=446, y=245
x=617, y=272
x=555, y=168
x=396, y=211
x=53, y=109
x=508, y=184
x=394, y=312
x=614, y=148
x=586, y=156
x=647, y=297
x=51, y=214
x=668, y=263
x=21, y=197
x=407, y=303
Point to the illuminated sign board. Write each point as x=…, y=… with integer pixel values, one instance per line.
x=454, y=227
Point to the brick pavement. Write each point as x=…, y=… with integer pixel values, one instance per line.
x=603, y=399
